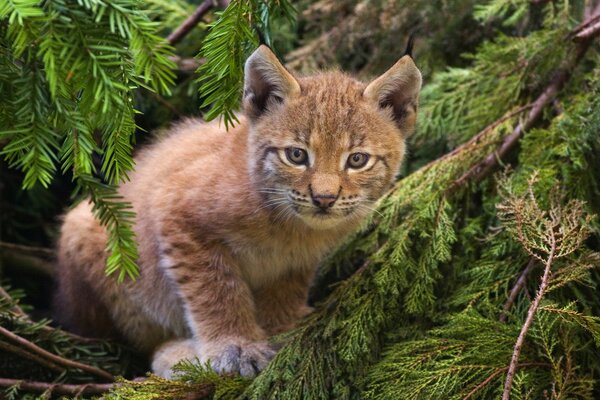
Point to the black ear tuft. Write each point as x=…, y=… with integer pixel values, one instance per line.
x=410, y=45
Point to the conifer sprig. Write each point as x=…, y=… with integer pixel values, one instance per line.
x=74, y=66
x=231, y=38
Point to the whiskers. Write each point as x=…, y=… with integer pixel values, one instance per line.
x=279, y=202
x=363, y=207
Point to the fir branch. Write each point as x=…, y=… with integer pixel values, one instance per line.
x=58, y=388
x=54, y=358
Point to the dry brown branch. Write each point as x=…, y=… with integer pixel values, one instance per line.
x=187, y=65
x=24, y=354
x=59, y=388
x=485, y=166
x=182, y=30
x=512, y=368
x=29, y=250
x=475, y=140
x=54, y=358
x=30, y=258
x=498, y=372
x=519, y=284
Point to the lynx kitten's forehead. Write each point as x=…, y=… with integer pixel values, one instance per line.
x=330, y=105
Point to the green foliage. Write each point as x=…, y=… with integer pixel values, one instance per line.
x=226, y=47
x=419, y=303
x=191, y=379
x=102, y=354
x=72, y=69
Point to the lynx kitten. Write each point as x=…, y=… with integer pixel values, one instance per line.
x=232, y=225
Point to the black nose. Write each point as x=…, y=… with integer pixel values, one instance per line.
x=324, y=201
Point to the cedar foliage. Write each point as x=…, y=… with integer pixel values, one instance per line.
x=427, y=300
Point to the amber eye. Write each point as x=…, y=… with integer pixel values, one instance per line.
x=296, y=155
x=357, y=160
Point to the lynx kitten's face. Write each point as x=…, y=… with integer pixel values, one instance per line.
x=324, y=148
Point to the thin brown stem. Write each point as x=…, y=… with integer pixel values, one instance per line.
x=497, y=372
x=182, y=30
x=54, y=358
x=519, y=284
x=58, y=388
x=33, y=357
x=28, y=250
x=530, y=316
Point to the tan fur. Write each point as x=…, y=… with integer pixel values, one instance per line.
x=228, y=235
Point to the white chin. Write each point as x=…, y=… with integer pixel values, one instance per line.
x=325, y=221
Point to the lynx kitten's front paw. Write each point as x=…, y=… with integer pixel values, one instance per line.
x=235, y=356
x=169, y=354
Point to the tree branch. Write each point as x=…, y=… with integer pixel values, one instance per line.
x=182, y=30
x=530, y=315
x=519, y=284
x=29, y=250
x=59, y=388
x=33, y=357
x=54, y=358
x=498, y=372
x=485, y=166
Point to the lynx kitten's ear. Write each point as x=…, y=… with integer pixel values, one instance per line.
x=267, y=82
x=398, y=89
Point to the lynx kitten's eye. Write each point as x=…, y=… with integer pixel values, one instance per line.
x=357, y=160
x=296, y=155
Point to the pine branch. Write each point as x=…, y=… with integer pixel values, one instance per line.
x=58, y=388
x=54, y=358
x=562, y=76
x=178, y=34
x=519, y=284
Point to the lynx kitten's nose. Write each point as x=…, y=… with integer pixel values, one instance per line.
x=324, y=201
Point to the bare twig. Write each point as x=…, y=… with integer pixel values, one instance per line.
x=29, y=250
x=498, y=372
x=182, y=30
x=59, y=388
x=33, y=357
x=187, y=65
x=530, y=315
x=519, y=284
x=54, y=358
